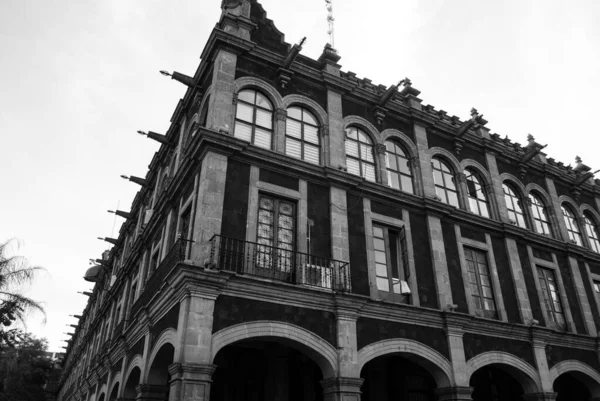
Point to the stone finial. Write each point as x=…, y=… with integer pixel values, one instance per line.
x=474, y=113
x=530, y=137
x=225, y=4
x=405, y=82
x=578, y=160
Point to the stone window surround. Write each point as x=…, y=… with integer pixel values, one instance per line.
x=371, y=218
x=594, y=278
x=487, y=248
x=534, y=263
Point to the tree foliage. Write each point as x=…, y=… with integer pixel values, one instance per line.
x=24, y=369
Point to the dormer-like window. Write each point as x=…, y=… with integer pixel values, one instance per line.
x=399, y=173
x=513, y=204
x=302, y=135
x=592, y=231
x=478, y=201
x=359, y=154
x=540, y=217
x=572, y=225
x=254, y=118
x=445, y=185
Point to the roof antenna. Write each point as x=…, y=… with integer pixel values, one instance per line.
x=330, y=19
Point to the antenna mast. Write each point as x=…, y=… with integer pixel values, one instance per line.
x=330, y=19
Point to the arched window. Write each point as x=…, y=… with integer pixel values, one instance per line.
x=302, y=135
x=572, y=225
x=359, y=153
x=445, y=185
x=398, y=167
x=204, y=112
x=592, y=231
x=254, y=118
x=478, y=202
x=513, y=204
x=540, y=217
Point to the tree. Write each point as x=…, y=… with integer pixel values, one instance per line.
x=15, y=272
x=24, y=370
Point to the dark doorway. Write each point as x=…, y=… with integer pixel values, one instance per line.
x=569, y=388
x=491, y=383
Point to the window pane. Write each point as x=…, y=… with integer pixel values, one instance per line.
x=295, y=112
x=378, y=244
x=353, y=166
x=366, y=153
x=382, y=284
x=352, y=148
x=262, y=101
x=391, y=161
x=406, y=184
x=311, y=154
x=437, y=178
x=404, y=165
x=264, y=118
x=380, y=257
x=351, y=133
x=449, y=180
x=452, y=199
x=381, y=270
x=308, y=117
x=293, y=128
x=242, y=131
x=292, y=148
x=244, y=112
x=393, y=180
x=369, y=172
x=246, y=96
x=262, y=138
x=311, y=134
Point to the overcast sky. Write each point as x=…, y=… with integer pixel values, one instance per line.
x=79, y=77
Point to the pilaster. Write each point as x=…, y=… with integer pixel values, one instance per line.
x=195, y=328
x=424, y=161
x=439, y=261
x=190, y=382
x=337, y=149
x=490, y=158
x=148, y=392
x=340, y=248
x=220, y=108
x=557, y=218
x=347, y=313
x=454, y=332
x=539, y=338
x=518, y=278
x=342, y=389
x=584, y=303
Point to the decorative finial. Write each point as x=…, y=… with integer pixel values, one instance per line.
x=330, y=19
x=474, y=113
x=578, y=159
x=530, y=137
x=406, y=82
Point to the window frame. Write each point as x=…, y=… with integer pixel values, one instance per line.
x=443, y=187
x=515, y=201
x=539, y=207
x=570, y=218
x=592, y=231
x=401, y=261
x=397, y=159
x=254, y=125
x=475, y=178
x=546, y=274
x=303, y=142
x=361, y=161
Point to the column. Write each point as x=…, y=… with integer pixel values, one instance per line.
x=539, y=338
x=337, y=136
x=340, y=248
x=454, y=394
x=424, y=161
x=148, y=392
x=439, y=261
x=380, y=152
x=279, y=131
x=490, y=158
x=342, y=389
x=190, y=382
x=209, y=204
x=516, y=271
x=220, y=108
x=454, y=332
x=557, y=216
x=584, y=303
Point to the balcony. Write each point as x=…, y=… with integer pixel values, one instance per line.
x=289, y=266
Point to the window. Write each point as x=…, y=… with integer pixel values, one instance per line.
x=478, y=202
x=398, y=167
x=591, y=228
x=302, y=135
x=275, y=237
x=204, y=112
x=572, y=225
x=540, y=217
x=551, y=298
x=513, y=204
x=359, y=154
x=480, y=282
x=597, y=287
x=391, y=261
x=254, y=118
x=445, y=185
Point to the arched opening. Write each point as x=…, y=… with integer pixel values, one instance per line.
x=265, y=370
x=132, y=382
x=114, y=393
x=571, y=386
x=101, y=398
x=493, y=382
x=158, y=374
x=396, y=377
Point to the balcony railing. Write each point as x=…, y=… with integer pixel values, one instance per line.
x=156, y=278
x=254, y=259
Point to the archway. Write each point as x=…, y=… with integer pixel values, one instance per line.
x=133, y=380
x=265, y=369
x=158, y=374
x=495, y=383
x=570, y=387
x=114, y=393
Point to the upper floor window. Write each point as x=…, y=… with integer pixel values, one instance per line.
x=445, y=185
x=275, y=234
x=540, y=217
x=302, y=135
x=359, y=153
x=398, y=167
x=572, y=225
x=391, y=262
x=481, y=283
x=513, y=204
x=592, y=231
x=551, y=298
x=254, y=118
x=478, y=202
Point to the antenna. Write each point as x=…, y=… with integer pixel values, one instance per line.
x=330, y=19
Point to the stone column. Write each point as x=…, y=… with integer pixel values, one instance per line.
x=539, y=339
x=498, y=191
x=557, y=216
x=381, y=153
x=209, y=204
x=584, y=303
x=424, y=161
x=454, y=333
x=337, y=135
x=148, y=392
x=516, y=271
x=347, y=313
x=279, y=130
x=220, y=108
x=339, y=225
x=440, y=264
x=539, y=397
x=342, y=389
x=454, y=394
x=195, y=329
x=190, y=382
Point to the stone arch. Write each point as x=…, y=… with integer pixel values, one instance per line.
x=311, y=105
x=585, y=208
x=116, y=381
x=572, y=204
x=522, y=371
x=515, y=182
x=168, y=336
x=323, y=353
x=541, y=191
x=390, y=133
x=447, y=156
x=262, y=86
x=483, y=172
x=369, y=128
x=136, y=362
x=584, y=372
x=102, y=393
x=425, y=356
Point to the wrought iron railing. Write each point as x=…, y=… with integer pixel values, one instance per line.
x=251, y=258
x=156, y=278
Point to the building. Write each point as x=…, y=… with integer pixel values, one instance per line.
x=303, y=234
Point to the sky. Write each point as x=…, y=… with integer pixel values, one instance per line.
x=78, y=78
